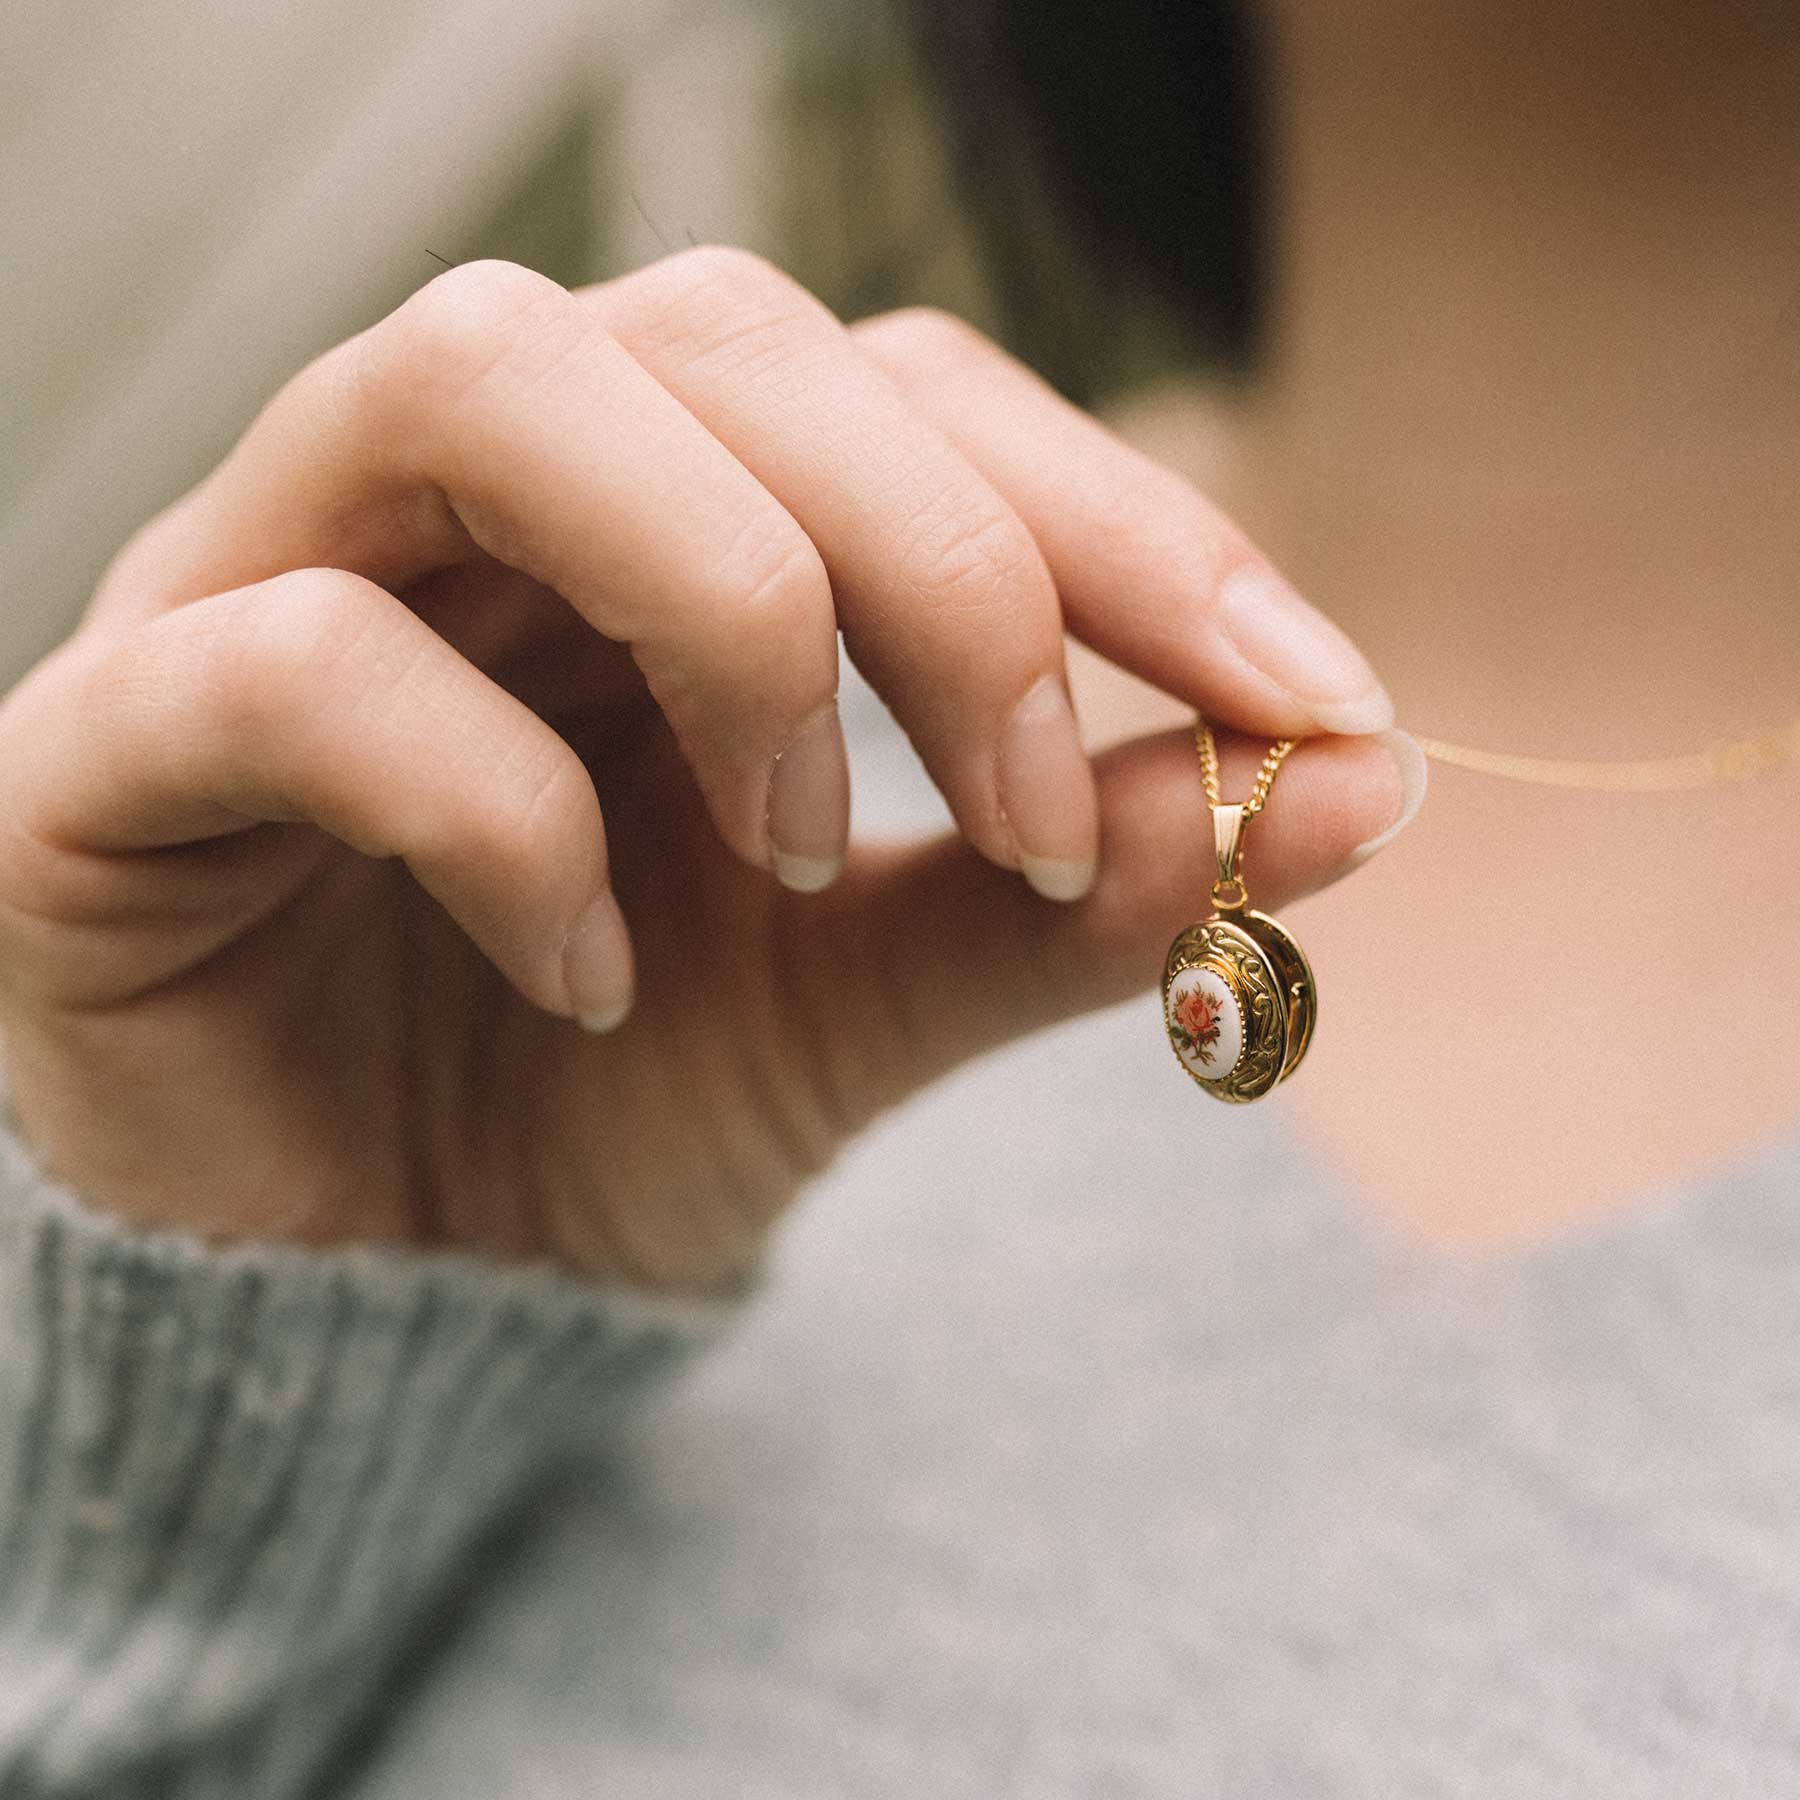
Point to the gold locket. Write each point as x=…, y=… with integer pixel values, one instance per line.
x=1238, y=996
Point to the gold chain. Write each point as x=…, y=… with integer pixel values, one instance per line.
x=1742, y=759
x=1209, y=769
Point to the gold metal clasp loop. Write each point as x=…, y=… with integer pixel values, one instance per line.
x=1228, y=838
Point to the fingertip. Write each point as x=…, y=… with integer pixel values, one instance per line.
x=608, y=1020
x=1410, y=778
x=808, y=805
x=1307, y=655
x=597, y=966
x=1058, y=878
x=806, y=874
x=1047, y=793
x=1371, y=715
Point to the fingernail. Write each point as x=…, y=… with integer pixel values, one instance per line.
x=1303, y=652
x=1047, y=794
x=809, y=804
x=597, y=966
x=1409, y=764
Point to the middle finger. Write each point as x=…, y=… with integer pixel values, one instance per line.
x=944, y=599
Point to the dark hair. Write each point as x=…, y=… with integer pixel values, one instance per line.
x=1144, y=118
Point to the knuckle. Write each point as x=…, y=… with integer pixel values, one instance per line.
x=1130, y=510
x=120, y=676
x=534, y=801
x=266, y=654
x=450, y=334
x=967, y=555
x=546, y=797
x=727, y=308
x=927, y=335
x=774, y=574
x=731, y=270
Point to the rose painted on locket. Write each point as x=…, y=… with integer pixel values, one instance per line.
x=1197, y=1014
x=1206, y=1023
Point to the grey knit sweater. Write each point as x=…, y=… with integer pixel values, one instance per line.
x=1052, y=1459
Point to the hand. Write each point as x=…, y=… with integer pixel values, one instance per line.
x=304, y=881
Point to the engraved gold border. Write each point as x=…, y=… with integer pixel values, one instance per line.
x=1240, y=961
x=1291, y=967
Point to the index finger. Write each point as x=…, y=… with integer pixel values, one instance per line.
x=1150, y=573
x=491, y=413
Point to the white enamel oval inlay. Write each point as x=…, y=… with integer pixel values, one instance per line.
x=1205, y=1023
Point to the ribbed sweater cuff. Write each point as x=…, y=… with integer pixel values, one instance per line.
x=231, y=1477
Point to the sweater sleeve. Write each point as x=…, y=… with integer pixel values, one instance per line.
x=235, y=1482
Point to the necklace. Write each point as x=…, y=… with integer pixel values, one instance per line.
x=1739, y=760
x=1239, y=1000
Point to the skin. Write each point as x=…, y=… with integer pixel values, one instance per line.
x=1528, y=426
x=484, y=694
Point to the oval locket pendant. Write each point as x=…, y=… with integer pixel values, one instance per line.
x=1238, y=996
x=1238, y=1002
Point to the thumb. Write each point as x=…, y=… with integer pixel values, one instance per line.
x=939, y=956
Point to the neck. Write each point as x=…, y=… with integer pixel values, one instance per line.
x=1535, y=314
